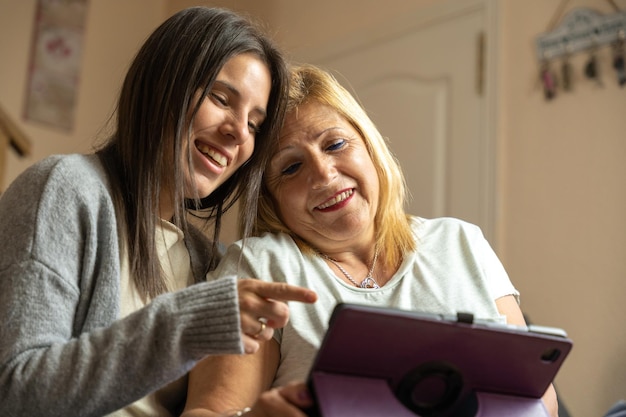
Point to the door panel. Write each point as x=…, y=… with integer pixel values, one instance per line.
x=419, y=86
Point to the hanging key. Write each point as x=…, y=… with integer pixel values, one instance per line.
x=591, y=69
x=548, y=81
x=566, y=74
x=618, y=59
x=618, y=64
x=566, y=68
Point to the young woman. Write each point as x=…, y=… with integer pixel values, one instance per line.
x=97, y=306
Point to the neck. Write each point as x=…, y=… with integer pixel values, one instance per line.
x=368, y=281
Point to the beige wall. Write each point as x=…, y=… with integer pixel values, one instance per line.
x=114, y=30
x=563, y=204
x=561, y=168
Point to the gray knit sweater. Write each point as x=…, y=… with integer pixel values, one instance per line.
x=63, y=352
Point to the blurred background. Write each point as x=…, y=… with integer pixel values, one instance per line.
x=485, y=129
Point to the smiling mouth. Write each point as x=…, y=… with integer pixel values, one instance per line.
x=336, y=200
x=213, y=155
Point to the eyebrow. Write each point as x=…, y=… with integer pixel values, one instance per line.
x=317, y=136
x=237, y=93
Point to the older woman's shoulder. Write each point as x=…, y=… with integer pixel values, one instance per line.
x=444, y=225
x=268, y=242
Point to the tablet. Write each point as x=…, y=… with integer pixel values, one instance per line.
x=393, y=362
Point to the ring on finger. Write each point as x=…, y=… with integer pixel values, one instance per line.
x=262, y=329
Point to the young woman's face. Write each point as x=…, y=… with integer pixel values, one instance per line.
x=323, y=180
x=224, y=128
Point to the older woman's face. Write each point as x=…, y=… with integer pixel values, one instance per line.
x=323, y=180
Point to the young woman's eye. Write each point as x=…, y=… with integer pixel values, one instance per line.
x=336, y=145
x=291, y=169
x=219, y=98
x=254, y=127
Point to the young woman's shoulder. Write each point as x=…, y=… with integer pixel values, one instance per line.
x=63, y=173
x=77, y=169
x=56, y=186
x=61, y=199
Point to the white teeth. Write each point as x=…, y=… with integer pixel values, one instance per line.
x=341, y=197
x=211, y=153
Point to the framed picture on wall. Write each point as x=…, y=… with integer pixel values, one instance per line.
x=55, y=61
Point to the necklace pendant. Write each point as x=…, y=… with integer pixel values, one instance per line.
x=369, y=283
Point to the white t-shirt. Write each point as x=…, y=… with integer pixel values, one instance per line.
x=453, y=270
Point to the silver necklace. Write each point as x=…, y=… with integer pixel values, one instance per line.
x=368, y=282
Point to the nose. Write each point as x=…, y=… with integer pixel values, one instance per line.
x=322, y=172
x=236, y=127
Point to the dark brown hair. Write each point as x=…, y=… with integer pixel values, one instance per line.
x=154, y=115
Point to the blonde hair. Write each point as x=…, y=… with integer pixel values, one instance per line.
x=393, y=228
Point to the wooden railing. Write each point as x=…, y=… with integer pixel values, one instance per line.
x=11, y=136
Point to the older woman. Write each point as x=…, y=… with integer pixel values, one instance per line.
x=332, y=202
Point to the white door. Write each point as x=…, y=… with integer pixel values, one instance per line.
x=419, y=80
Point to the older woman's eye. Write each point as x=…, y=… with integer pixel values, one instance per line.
x=337, y=145
x=291, y=169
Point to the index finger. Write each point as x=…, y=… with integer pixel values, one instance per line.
x=284, y=292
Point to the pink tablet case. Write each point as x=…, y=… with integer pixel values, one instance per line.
x=383, y=362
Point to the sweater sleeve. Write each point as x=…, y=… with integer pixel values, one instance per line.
x=109, y=367
x=62, y=350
